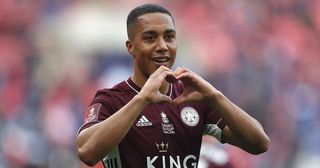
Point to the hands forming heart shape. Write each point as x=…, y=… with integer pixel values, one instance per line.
x=195, y=87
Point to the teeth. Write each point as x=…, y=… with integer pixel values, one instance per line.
x=161, y=59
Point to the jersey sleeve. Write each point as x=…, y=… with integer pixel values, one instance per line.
x=214, y=124
x=100, y=108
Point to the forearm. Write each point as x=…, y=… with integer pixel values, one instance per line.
x=95, y=142
x=246, y=131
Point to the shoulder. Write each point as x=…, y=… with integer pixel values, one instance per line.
x=120, y=88
x=118, y=92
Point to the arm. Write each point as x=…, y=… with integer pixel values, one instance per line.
x=242, y=130
x=98, y=140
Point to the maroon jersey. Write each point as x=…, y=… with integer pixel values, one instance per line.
x=163, y=135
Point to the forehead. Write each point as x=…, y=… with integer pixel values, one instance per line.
x=154, y=21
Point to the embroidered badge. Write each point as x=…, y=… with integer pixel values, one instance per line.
x=92, y=112
x=189, y=116
x=166, y=126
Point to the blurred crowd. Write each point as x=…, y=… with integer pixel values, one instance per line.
x=54, y=54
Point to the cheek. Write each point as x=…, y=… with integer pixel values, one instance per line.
x=146, y=67
x=173, y=48
x=143, y=62
x=173, y=52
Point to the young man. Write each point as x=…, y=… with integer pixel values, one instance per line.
x=157, y=117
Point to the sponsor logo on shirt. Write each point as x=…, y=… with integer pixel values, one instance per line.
x=166, y=126
x=162, y=147
x=169, y=160
x=190, y=161
x=143, y=122
x=189, y=116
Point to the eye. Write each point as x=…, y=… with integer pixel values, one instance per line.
x=149, y=37
x=170, y=37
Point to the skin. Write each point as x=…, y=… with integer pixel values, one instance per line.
x=155, y=39
x=153, y=48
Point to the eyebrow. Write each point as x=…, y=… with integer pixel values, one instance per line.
x=170, y=31
x=152, y=32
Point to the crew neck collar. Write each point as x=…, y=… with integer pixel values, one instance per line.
x=137, y=89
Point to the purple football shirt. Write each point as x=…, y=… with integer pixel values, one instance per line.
x=163, y=135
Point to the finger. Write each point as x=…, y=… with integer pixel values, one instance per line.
x=159, y=71
x=184, y=72
x=184, y=75
x=157, y=79
x=165, y=98
x=160, y=74
x=179, y=100
x=166, y=74
x=187, y=75
x=171, y=78
x=180, y=70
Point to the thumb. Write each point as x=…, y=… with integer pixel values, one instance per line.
x=179, y=100
x=165, y=98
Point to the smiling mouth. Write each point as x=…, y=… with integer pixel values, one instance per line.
x=161, y=60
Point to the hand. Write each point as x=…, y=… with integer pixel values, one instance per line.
x=195, y=87
x=150, y=90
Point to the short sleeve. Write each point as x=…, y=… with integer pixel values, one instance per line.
x=99, y=110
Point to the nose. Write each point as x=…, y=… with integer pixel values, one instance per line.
x=162, y=45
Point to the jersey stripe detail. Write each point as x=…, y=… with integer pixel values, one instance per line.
x=170, y=90
x=112, y=160
x=131, y=87
x=213, y=130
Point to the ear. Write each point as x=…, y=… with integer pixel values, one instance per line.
x=130, y=47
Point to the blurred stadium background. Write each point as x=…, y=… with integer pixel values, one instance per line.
x=54, y=54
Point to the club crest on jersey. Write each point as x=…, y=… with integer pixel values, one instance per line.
x=166, y=126
x=189, y=116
